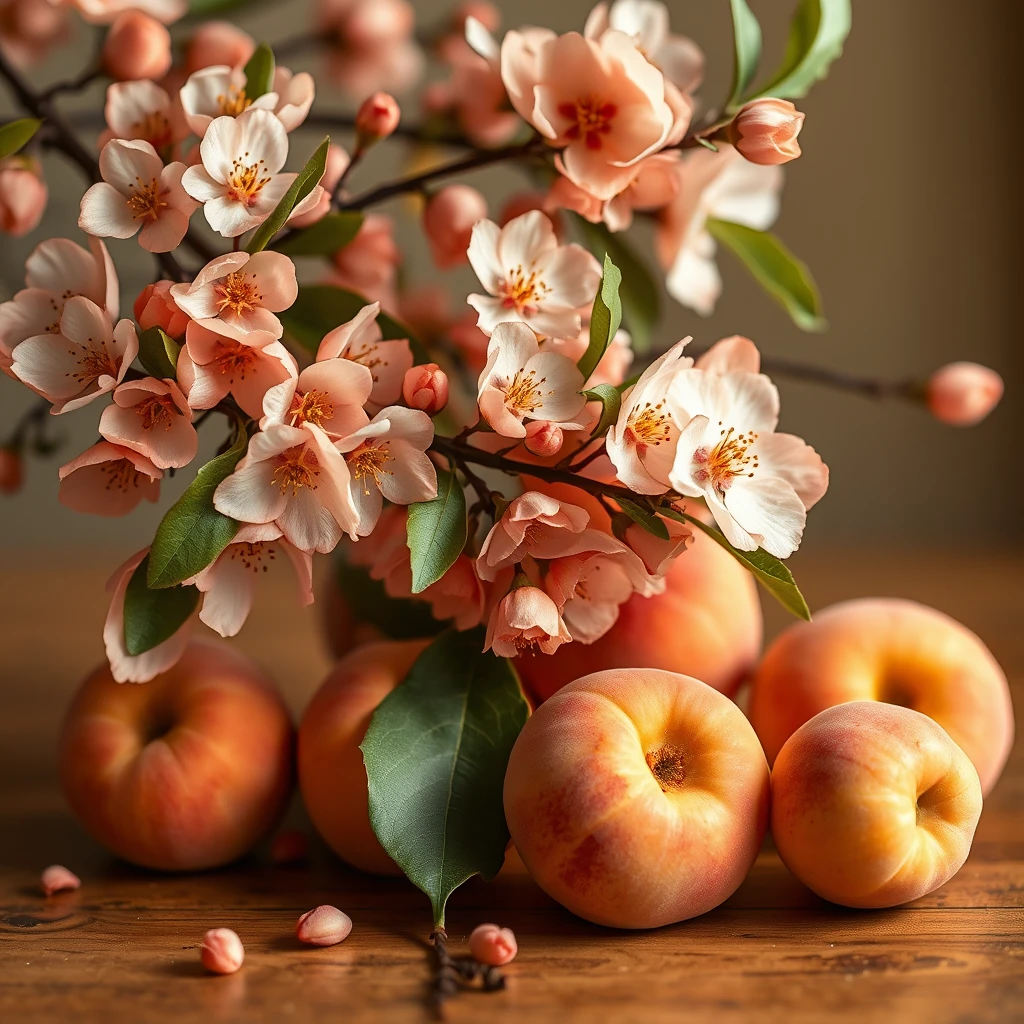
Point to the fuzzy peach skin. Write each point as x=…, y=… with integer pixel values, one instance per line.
x=888, y=650
x=182, y=773
x=332, y=777
x=637, y=797
x=873, y=804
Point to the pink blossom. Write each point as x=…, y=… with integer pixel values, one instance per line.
x=765, y=131
x=425, y=387
x=734, y=354
x=458, y=595
x=543, y=439
x=218, y=42
x=658, y=554
x=102, y=12
x=152, y=417
x=216, y=91
x=369, y=262
x=330, y=394
x=155, y=307
x=963, y=394
x=23, y=196
x=524, y=621
x=377, y=118
x=29, y=29
x=295, y=94
x=137, y=47
x=142, y=110
x=108, y=480
x=448, y=220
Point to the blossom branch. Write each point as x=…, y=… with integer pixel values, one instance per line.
x=872, y=387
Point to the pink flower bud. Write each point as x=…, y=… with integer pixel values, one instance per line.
x=377, y=118
x=493, y=945
x=222, y=951
x=155, y=308
x=22, y=196
x=137, y=46
x=324, y=926
x=12, y=471
x=218, y=42
x=426, y=387
x=289, y=847
x=369, y=24
x=765, y=131
x=448, y=220
x=962, y=394
x=57, y=878
x=543, y=438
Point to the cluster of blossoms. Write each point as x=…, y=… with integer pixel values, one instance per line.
x=336, y=437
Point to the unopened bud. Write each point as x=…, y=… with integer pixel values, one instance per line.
x=493, y=945
x=448, y=220
x=426, y=387
x=137, y=46
x=765, y=131
x=155, y=307
x=222, y=951
x=23, y=195
x=57, y=878
x=543, y=438
x=289, y=847
x=324, y=926
x=377, y=118
x=218, y=42
x=12, y=471
x=962, y=394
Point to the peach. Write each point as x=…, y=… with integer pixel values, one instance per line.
x=637, y=797
x=873, y=804
x=894, y=651
x=184, y=772
x=331, y=772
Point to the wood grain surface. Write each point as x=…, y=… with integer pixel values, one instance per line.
x=125, y=947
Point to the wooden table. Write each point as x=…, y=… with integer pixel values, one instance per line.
x=125, y=946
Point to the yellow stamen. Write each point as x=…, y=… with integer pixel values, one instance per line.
x=369, y=460
x=233, y=102
x=727, y=460
x=297, y=468
x=156, y=410
x=312, y=407
x=237, y=293
x=246, y=180
x=145, y=201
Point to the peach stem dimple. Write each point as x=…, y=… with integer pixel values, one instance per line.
x=668, y=766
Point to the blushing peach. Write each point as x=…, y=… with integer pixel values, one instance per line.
x=637, y=797
x=887, y=650
x=873, y=804
x=182, y=773
x=331, y=772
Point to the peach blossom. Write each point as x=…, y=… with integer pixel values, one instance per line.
x=477, y=96
x=108, y=480
x=765, y=131
x=30, y=28
x=493, y=945
x=222, y=951
x=136, y=46
x=155, y=307
x=658, y=554
x=543, y=439
x=142, y=110
x=295, y=94
x=323, y=926
x=426, y=388
x=377, y=118
x=57, y=878
x=23, y=196
x=525, y=619
x=12, y=471
x=368, y=264
x=102, y=12
x=218, y=42
x=963, y=394
x=448, y=220
x=152, y=417
x=734, y=354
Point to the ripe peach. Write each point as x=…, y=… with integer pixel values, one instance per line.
x=184, y=772
x=888, y=650
x=637, y=797
x=331, y=772
x=873, y=804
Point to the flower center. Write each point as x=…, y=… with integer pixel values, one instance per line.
x=237, y=293
x=727, y=460
x=254, y=557
x=297, y=468
x=94, y=363
x=369, y=460
x=121, y=475
x=155, y=411
x=235, y=360
x=145, y=201
x=154, y=128
x=523, y=291
x=312, y=407
x=590, y=119
x=524, y=393
x=246, y=180
x=233, y=102
x=648, y=425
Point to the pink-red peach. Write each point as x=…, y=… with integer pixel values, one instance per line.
x=637, y=797
x=182, y=773
x=873, y=804
x=887, y=650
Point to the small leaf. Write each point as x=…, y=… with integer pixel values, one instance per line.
x=303, y=184
x=769, y=571
x=436, y=531
x=329, y=234
x=706, y=143
x=644, y=516
x=611, y=400
x=816, y=36
x=153, y=616
x=396, y=617
x=605, y=318
x=158, y=353
x=436, y=753
x=746, y=50
x=15, y=134
x=259, y=72
x=785, y=278
x=193, y=533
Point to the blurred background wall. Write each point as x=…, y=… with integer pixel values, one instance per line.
x=906, y=205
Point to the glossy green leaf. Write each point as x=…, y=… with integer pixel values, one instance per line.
x=192, y=532
x=325, y=237
x=368, y=601
x=259, y=72
x=153, y=616
x=816, y=36
x=769, y=571
x=611, y=401
x=15, y=134
x=746, y=50
x=644, y=516
x=158, y=353
x=605, y=317
x=436, y=753
x=303, y=184
x=436, y=531
x=784, y=277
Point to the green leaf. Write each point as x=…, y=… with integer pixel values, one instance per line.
x=259, y=72
x=436, y=753
x=193, y=533
x=611, y=399
x=15, y=134
x=644, y=516
x=326, y=236
x=436, y=531
x=746, y=50
x=605, y=318
x=769, y=571
x=639, y=293
x=158, y=353
x=153, y=616
x=816, y=36
x=784, y=277
x=303, y=184
x=396, y=617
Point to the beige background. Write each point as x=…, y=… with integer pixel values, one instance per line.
x=905, y=205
